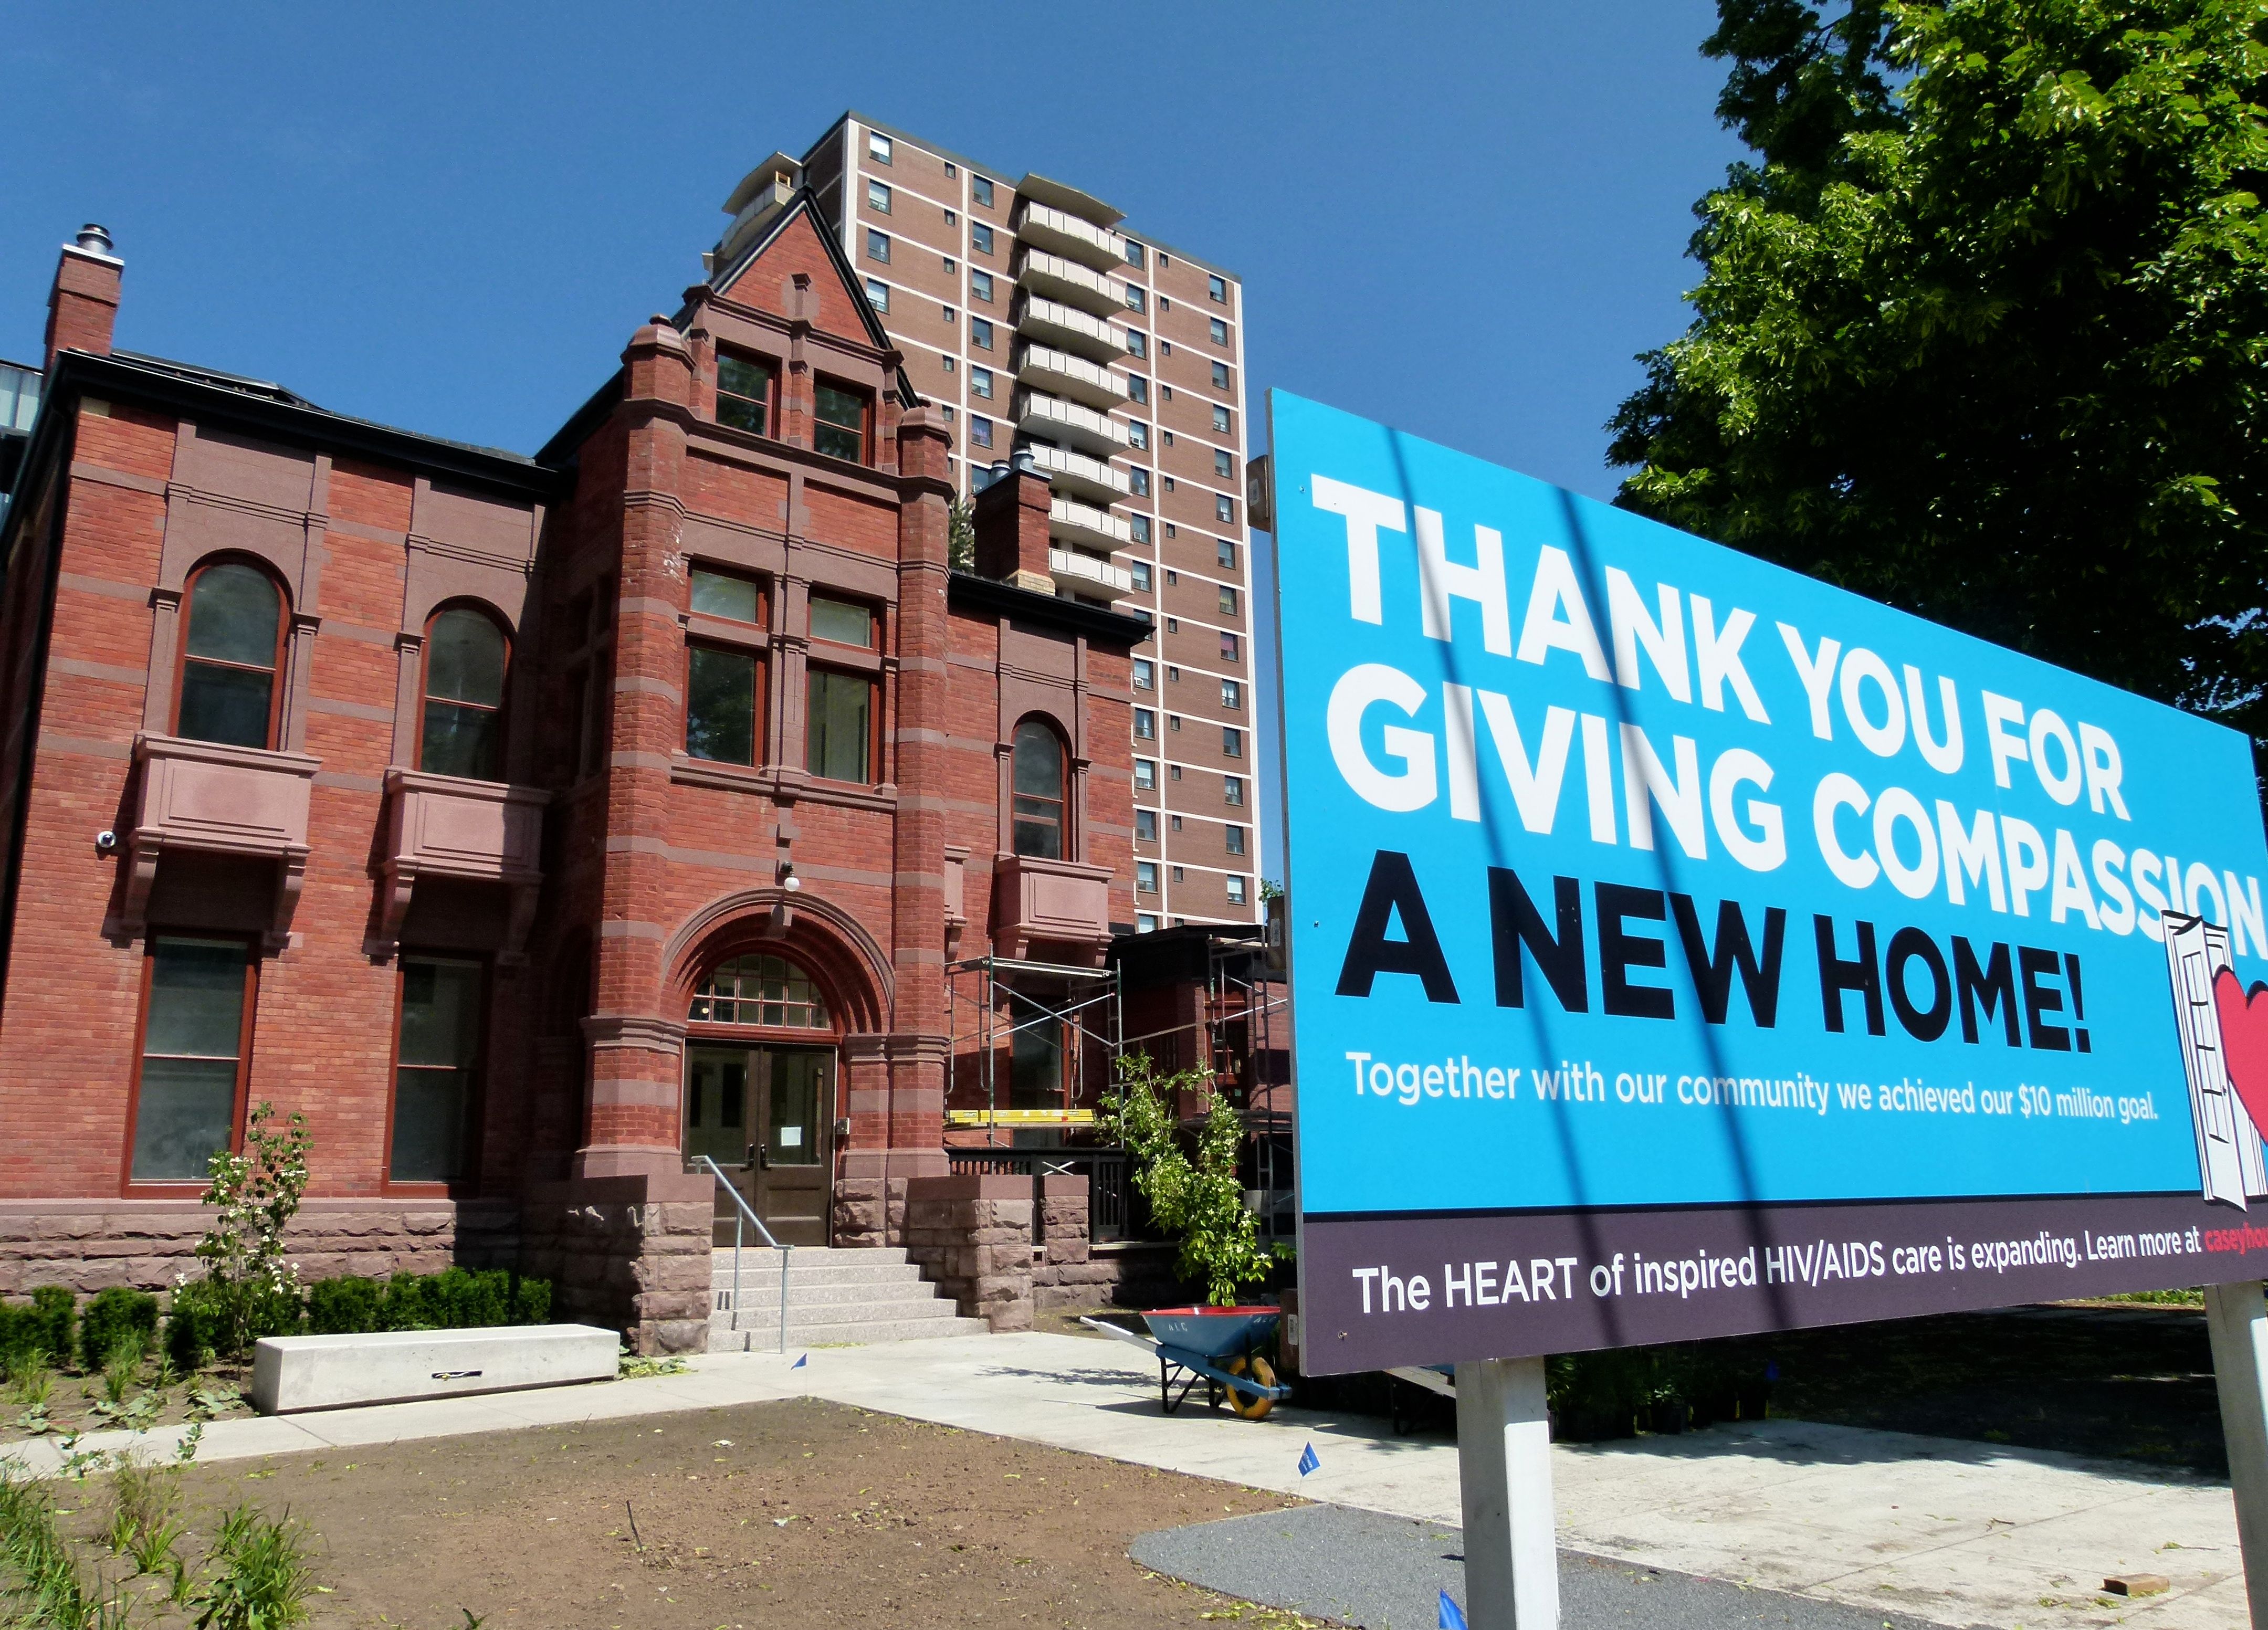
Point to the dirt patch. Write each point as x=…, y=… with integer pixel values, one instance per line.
x=773, y=1514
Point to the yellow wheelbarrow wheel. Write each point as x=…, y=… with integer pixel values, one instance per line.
x=1244, y=1403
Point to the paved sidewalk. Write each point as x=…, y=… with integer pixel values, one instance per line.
x=1962, y=1533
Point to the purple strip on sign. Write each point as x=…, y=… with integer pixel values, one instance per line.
x=1381, y=1291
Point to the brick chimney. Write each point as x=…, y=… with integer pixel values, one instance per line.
x=83, y=306
x=1011, y=528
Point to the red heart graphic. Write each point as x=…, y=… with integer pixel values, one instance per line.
x=2244, y=1040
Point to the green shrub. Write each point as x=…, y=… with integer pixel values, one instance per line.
x=204, y=1318
x=531, y=1301
x=195, y=1327
x=349, y=1305
x=57, y=1310
x=22, y=1336
x=118, y=1317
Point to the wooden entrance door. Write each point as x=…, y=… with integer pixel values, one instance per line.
x=766, y=1115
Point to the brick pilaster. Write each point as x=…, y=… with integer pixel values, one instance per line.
x=636, y=1044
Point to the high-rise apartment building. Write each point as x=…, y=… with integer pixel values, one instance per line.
x=1042, y=327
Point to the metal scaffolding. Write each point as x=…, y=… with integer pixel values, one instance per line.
x=1085, y=1025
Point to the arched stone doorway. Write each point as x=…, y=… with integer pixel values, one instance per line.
x=762, y=1072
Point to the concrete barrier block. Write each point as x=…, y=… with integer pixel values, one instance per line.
x=295, y=1373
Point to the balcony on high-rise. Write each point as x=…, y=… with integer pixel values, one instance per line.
x=1045, y=368
x=1078, y=476
x=1045, y=227
x=1070, y=521
x=1067, y=424
x=1088, y=575
x=1055, y=278
x=1051, y=322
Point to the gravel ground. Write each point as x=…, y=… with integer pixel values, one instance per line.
x=1386, y=1573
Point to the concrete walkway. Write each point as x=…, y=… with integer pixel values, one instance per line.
x=1960, y=1533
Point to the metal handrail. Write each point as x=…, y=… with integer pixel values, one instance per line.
x=744, y=1214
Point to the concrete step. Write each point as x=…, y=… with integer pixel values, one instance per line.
x=837, y=1313
x=836, y=1295
x=767, y=1274
x=818, y=1256
x=766, y=1298
x=766, y=1340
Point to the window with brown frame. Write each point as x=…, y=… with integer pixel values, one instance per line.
x=437, y=1068
x=462, y=730
x=839, y=738
x=1036, y=784
x=840, y=427
x=721, y=703
x=197, y=1025
x=744, y=392
x=841, y=720
x=724, y=683
x=232, y=647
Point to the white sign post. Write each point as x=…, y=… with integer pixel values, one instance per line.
x=2237, y=1315
x=1504, y=1469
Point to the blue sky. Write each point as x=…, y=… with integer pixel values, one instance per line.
x=1463, y=220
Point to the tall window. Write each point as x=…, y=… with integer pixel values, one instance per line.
x=760, y=990
x=434, y=1075
x=744, y=392
x=229, y=662
x=980, y=237
x=1037, y=775
x=1218, y=288
x=195, y=1016
x=980, y=189
x=465, y=656
x=839, y=730
x=1036, y=1061
x=722, y=683
x=841, y=431
x=1220, y=332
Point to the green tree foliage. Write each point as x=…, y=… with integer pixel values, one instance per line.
x=960, y=536
x=1197, y=1194
x=1981, y=328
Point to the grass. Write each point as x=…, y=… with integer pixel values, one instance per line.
x=146, y=1523
x=44, y=1580
x=259, y=1577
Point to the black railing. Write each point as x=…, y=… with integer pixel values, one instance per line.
x=1110, y=1209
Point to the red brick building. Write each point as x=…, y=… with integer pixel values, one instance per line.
x=532, y=825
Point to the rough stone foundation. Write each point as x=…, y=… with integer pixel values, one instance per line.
x=869, y=1211
x=87, y=1246
x=631, y=1253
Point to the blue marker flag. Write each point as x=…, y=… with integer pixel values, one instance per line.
x=1307, y=1461
x=800, y=1363
x=1452, y=1617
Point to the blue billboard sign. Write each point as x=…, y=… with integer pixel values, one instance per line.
x=1680, y=945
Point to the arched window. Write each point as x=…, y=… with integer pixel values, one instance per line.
x=464, y=656
x=760, y=990
x=1037, y=775
x=230, y=659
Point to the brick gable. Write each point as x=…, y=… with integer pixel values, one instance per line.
x=764, y=283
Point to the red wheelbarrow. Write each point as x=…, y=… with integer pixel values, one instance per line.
x=1218, y=1345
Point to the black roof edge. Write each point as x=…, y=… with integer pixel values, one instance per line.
x=1108, y=627
x=82, y=372
x=568, y=437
